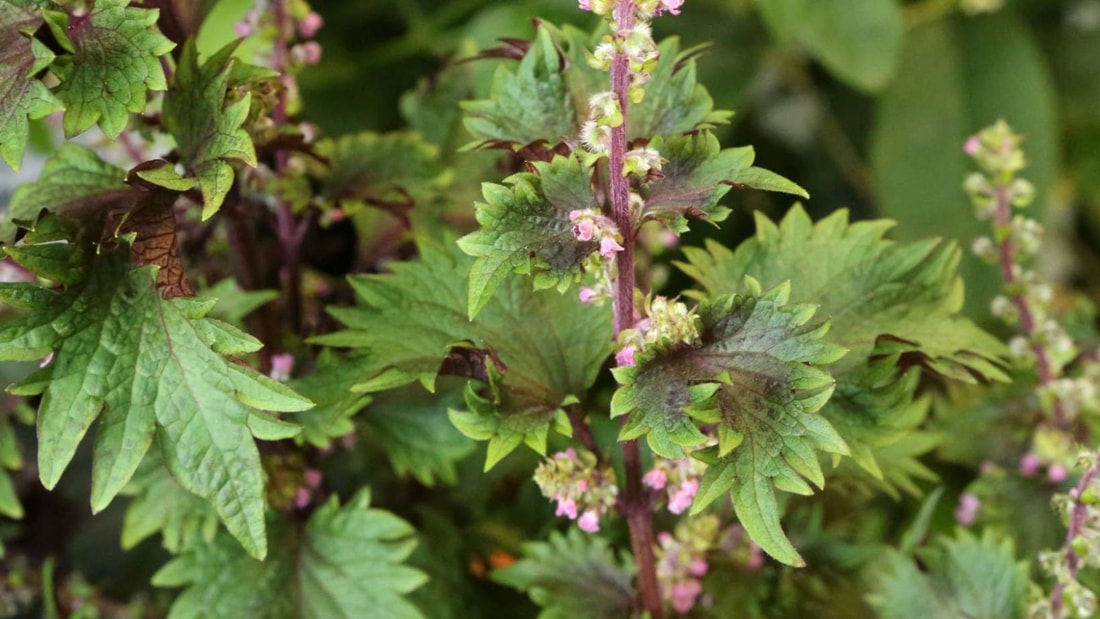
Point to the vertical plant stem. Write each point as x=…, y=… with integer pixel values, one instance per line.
x=635, y=504
x=1076, y=521
x=290, y=237
x=1002, y=218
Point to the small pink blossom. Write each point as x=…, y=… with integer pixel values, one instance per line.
x=567, y=508
x=584, y=230
x=582, y=485
x=1029, y=465
x=625, y=357
x=310, y=24
x=1057, y=473
x=698, y=567
x=281, y=366
x=969, y=504
x=242, y=29
x=308, y=53
x=585, y=5
x=684, y=594
x=655, y=479
x=302, y=497
x=682, y=498
x=672, y=6
x=312, y=478
x=587, y=294
x=756, y=557
x=589, y=522
x=608, y=247
x=972, y=146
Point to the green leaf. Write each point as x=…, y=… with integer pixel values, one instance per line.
x=696, y=176
x=234, y=304
x=859, y=41
x=75, y=181
x=954, y=79
x=346, y=563
x=162, y=505
x=115, y=62
x=530, y=104
x=411, y=426
x=549, y=346
x=380, y=169
x=545, y=99
x=205, y=116
x=10, y=460
x=573, y=575
x=329, y=386
x=960, y=577
x=883, y=299
x=525, y=228
x=145, y=367
x=756, y=376
x=22, y=95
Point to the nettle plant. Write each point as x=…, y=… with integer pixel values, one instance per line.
x=165, y=281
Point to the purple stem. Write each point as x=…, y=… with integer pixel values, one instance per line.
x=1077, y=520
x=635, y=504
x=290, y=232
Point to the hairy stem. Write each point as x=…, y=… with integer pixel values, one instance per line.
x=290, y=235
x=635, y=504
x=1002, y=217
x=1076, y=521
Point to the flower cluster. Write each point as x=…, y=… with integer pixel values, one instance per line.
x=667, y=323
x=681, y=560
x=583, y=490
x=1080, y=509
x=590, y=225
x=678, y=478
x=300, y=23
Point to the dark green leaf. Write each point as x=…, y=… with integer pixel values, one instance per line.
x=115, y=62
x=573, y=575
x=550, y=346
x=347, y=563
x=22, y=95
x=145, y=367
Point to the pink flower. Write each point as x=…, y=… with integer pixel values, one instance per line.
x=684, y=594
x=1029, y=465
x=589, y=522
x=698, y=567
x=584, y=230
x=585, y=5
x=312, y=478
x=972, y=146
x=1057, y=473
x=682, y=498
x=307, y=53
x=567, y=508
x=587, y=294
x=625, y=357
x=608, y=247
x=969, y=504
x=281, y=366
x=302, y=497
x=672, y=6
x=242, y=29
x=655, y=479
x=582, y=485
x=310, y=24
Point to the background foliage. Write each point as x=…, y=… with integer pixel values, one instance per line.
x=864, y=103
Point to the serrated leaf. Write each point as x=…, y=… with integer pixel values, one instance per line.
x=573, y=575
x=75, y=181
x=144, y=367
x=412, y=427
x=696, y=176
x=346, y=563
x=859, y=41
x=115, y=62
x=329, y=386
x=22, y=95
x=766, y=362
x=525, y=228
x=162, y=505
x=962, y=576
x=380, y=169
x=883, y=299
x=549, y=345
x=206, y=117
x=545, y=99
